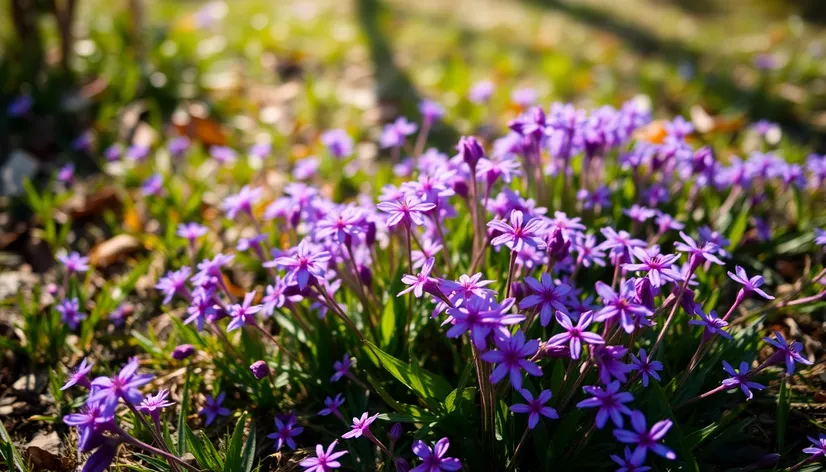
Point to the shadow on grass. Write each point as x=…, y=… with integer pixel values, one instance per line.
x=394, y=86
x=756, y=102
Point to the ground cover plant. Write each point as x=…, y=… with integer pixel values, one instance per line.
x=493, y=278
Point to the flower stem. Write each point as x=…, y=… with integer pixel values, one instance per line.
x=159, y=452
x=674, y=309
x=518, y=449
x=511, y=270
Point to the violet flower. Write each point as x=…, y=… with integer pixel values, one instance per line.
x=174, y=283
x=699, y=253
x=575, y=335
x=547, y=295
x=284, y=433
x=80, y=375
x=646, y=439
x=341, y=368
x=535, y=407
x=788, y=352
x=212, y=408
x=332, y=405
x=749, y=284
x=657, y=265
x=481, y=91
x=361, y=426
x=242, y=313
x=434, y=460
x=646, y=367
x=183, y=351
x=92, y=420
x=125, y=384
x=260, y=369
x=712, y=323
x=152, y=186
x=153, y=404
x=70, y=314
x=305, y=267
x=510, y=359
x=819, y=448
x=629, y=463
x=324, y=461
x=408, y=211
x=611, y=403
x=74, y=263
x=622, y=305
x=418, y=282
x=515, y=234
x=241, y=202
x=740, y=379
x=66, y=174
x=338, y=143
x=191, y=231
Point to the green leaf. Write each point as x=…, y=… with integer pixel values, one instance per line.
x=782, y=415
x=431, y=388
x=233, y=463
x=457, y=398
x=203, y=450
x=738, y=229
x=248, y=454
x=664, y=408
x=698, y=437
x=8, y=452
x=182, y=416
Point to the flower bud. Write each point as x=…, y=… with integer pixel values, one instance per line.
x=260, y=369
x=183, y=351
x=401, y=464
x=471, y=151
x=395, y=432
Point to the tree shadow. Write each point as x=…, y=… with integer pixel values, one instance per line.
x=393, y=85
x=757, y=103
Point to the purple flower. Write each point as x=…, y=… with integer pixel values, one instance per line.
x=640, y=213
x=787, y=351
x=434, y=460
x=645, y=438
x=510, y=359
x=260, y=150
x=137, y=153
x=201, y=308
x=343, y=224
x=191, y=231
x=361, y=426
x=431, y=111
x=284, y=433
x=242, y=314
x=102, y=458
x=620, y=244
x=480, y=316
x=819, y=448
x=481, y=91
x=820, y=237
x=223, y=154
x=491, y=170
x=611, y=403
x=305, y=168
x=712, y=323
x=153, y=404
x=79, y=376
x=418, y=282
x=622, y=304
x=535, y=407
x=306, y=263
x=274, y=297
x=470, y=150
x=609, y=360
x=324, y=461
x=523, y=97
x=341, y=368
x=657, y=265
x=547, y=295
x=749, y=284
x=338, y=143
x=74, y=262
x=515, y=235
x=113, y=152
x=740, y=379
x=70, y=314
x=66, y=174
x=393, y=135
x=260, y=369
x=699, y=254
x=242, y=201
x=409, y=210
x=90, y=422
x=177, y=146
x=183, y=351
x=429, y=249
x=471, y=286
x=20, y=106
x=629, y=463
x=174, y=283
x=152, y=186
x=574, y=336
x=212, y=408
x=646, y=367
x=332, y=405
x=125, y=384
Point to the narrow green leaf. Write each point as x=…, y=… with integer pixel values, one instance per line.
x=738, y=229
x=9, y=452
x=233, y=463
x=698, y=437
x=184, y=413
x=431, y=388
x=248, y=454
x=782, y=415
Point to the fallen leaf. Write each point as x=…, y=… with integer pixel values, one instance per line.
x=82, y=206
x=114, y=249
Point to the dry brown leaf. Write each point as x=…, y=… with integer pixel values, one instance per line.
x=114, y=249
x=82, y=206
